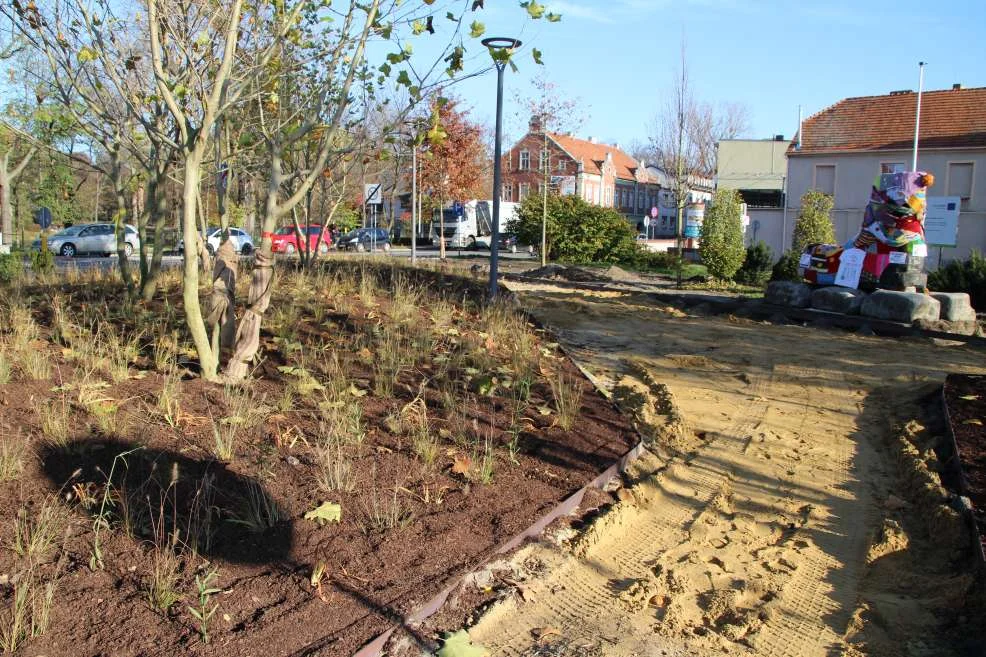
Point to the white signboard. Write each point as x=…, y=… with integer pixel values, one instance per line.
x=850, y=268
x=805, y=261
x=898, y=258
x=941, y=224
x=372, y=194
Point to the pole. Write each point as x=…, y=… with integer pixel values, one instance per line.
x=544, y=209
x=414, y=193
x=917, y=117
x=497, y=184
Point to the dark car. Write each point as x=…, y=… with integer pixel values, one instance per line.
x=365, y=239
x=507, y=242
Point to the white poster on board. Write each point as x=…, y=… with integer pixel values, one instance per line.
x=850, y=268
x=941, y=223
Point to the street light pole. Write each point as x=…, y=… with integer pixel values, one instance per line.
x=502, y=45
x=414, y=210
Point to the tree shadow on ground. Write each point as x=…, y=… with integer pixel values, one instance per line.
x=168, y=498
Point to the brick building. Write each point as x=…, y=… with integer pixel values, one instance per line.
x=599, y=173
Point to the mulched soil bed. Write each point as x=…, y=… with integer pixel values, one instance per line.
x=407, y=528
x=965, y=396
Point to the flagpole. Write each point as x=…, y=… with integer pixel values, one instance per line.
x=917, y=117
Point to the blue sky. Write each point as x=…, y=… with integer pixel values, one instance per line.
x=619, y=56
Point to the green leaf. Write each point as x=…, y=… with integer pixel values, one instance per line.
x=385, y=69
x=86, y=54
x=460, y=645
x=553, y=18
x=534, y=9
x=325, y=513
x=417, y=27
x=476, y=29
x=449, y=15
x=404, y=78
x=537, y=56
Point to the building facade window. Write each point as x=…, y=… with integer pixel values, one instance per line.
x=892, y=167
x=825, y=179
x=543, y=161
x=523, y=190
x=640, y=201
x=525, y=161
x=960, y=176
x=561, y=165
x=508, y=192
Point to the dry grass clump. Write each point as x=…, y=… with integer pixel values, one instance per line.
x=567, y=393
x=13, y=449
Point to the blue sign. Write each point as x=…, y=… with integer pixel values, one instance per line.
x=43, y=218
x=457, y=208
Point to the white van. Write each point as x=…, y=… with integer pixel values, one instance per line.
x=470, y=224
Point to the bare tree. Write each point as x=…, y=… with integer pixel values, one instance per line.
x=551, y=112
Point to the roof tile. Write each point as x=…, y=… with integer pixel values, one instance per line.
x=954, y=118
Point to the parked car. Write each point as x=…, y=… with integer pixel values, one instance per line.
x=242, y=242
x=507, y=242
x=287, y=239
x=365, y=239
x=90, y=239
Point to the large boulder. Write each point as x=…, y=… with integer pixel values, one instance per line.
x=900, y=306
x=955, y=306
x=788, y=293
x=837, y=300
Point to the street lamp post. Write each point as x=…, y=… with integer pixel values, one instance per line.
x=499, y=44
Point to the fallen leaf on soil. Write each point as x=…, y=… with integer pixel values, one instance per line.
x=540, y=633
x=625, y=496
x=462, y=464
x=324, y=513
x=356, y=392
x=460, y=645
x=544, y=410
x=969, y=397
x=978, y=423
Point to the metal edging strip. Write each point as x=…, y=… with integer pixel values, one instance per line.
x=977, y=538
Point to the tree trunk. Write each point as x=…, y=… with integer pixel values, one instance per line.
x=258, y=298
x=155, y=212
x=7, y=177
x=208, y=360
x=6, y=211
x=120, y=220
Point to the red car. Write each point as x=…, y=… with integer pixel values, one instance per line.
x=287, y=239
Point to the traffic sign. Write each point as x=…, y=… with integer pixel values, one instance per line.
x=42, y=217
x=372, y=193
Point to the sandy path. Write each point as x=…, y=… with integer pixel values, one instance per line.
x=748, y=531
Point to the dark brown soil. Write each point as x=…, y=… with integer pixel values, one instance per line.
x=441, y=524
x=965, y=395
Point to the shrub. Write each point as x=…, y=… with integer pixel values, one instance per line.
x=42, y=262
x=963, y=276
x=721, y=247
x=786, y=269
x=814, y=223
x=11, y=267
x=576, y=231
x=757, y=266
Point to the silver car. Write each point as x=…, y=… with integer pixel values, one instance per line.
x=242, y=242
x=91, y=239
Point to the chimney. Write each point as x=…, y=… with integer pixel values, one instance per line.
x=778, y=137
x=901, y=92
x=616, y=145
x=609, y=156
x=534, y=125
x=592, y=140
x=957, y=86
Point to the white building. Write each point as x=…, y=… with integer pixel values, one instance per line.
x=842, y=149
